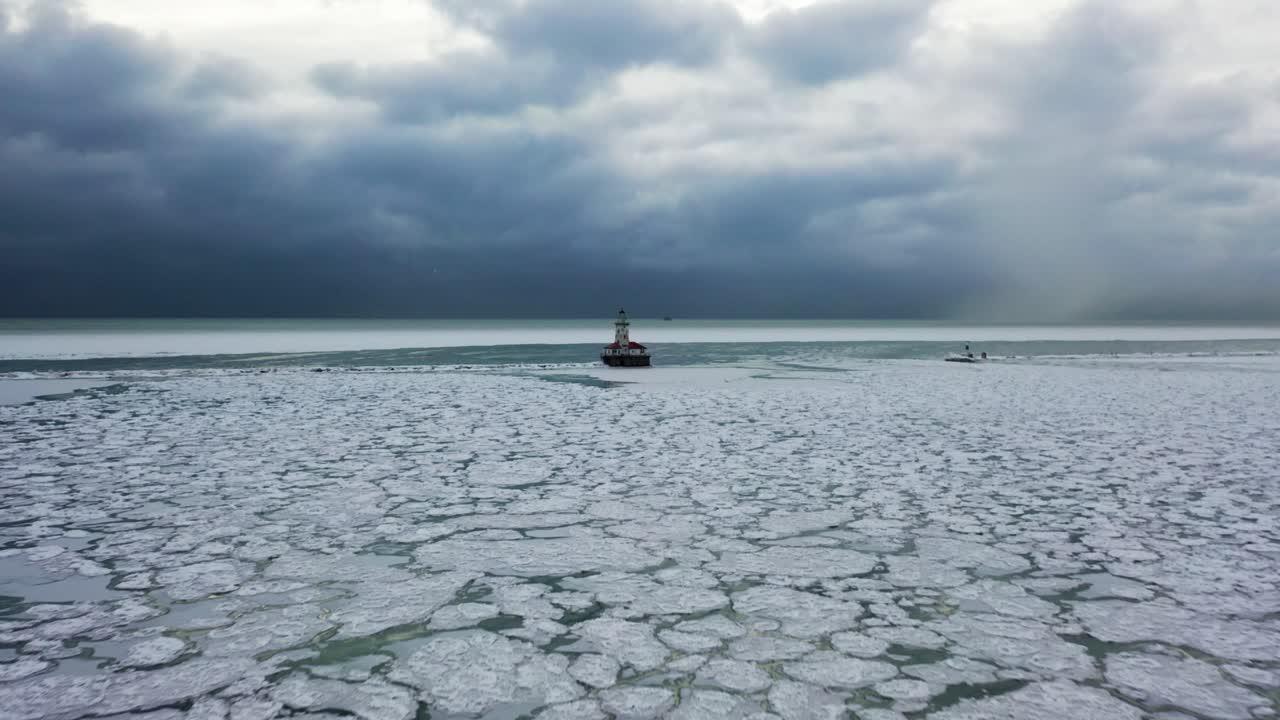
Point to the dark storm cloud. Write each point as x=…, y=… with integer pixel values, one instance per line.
x=546, y=52
x=768, y=220
x=83, y=87
x=619, y=34
x=836, y=39
x=129, y=184
x=1088, y=74
x=607, y=34
x=219, y=77
x=123, y=193
x=481, y=82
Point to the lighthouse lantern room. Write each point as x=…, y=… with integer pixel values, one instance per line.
x=623, y=351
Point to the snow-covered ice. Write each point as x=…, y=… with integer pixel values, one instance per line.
x=156, y=651
x=637, y=703
x=474, y=672
x=736, y=675
x=879, y=540
x=599, y=671
x=1195, y=685
x=1058, y=700
x=831, y=669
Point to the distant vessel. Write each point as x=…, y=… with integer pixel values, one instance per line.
x=623, y=351
x=967, y=357
x=667, y=318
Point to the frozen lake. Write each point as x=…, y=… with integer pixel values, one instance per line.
x=817, y=538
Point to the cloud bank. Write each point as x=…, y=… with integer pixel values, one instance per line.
x=859, y=158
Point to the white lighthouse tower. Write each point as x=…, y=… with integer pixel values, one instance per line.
x=622, y=329
x=623, y=351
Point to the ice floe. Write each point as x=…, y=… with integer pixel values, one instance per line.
x=798, y=562
x=637, y=703
x=475, y=671
x=717, y=625
x=632, y=644
x=268, y=630
x=736, y=675
x=912, y=637
x=69, y=696
x=1160, y=681
x=534, y=558
x=598, y=671
x=1001, y=598
x=1058, y=700
x=156, y=651
x=763, y=647
x=372, y=700
x=399, y=604
x=799, y=701
x=1162, y=621
x=858, y=645
x=802, y=614
x=983, y=559
x=700, y=704
x=22, y=668
x=1018, y=644
x=954, y=671
x=689, y=642
x=904, y=689
x=833, y=670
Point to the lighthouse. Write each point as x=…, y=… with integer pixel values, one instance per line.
x=623, y=351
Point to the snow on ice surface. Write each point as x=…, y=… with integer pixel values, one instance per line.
x=1181, y=682
x=1043, y=701
x=1097, y=540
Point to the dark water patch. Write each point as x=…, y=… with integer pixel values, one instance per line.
x=586, y=380
x=741, y=585
x=966, y=691
x=21, y=392
x=501, y=622
x=341, y=652
x=188, y=618
x=561, y=643
x=917, y=655
x=867, y=699
x=813, y=368
x=398, y=641
x=528, y=485
x=402, y=551
x=573, y=617
x=473, y=593
x=556, y=582
x=921, y=611
x=10, y=604
x=32, y=584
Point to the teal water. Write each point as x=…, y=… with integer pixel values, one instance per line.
x=79, y=345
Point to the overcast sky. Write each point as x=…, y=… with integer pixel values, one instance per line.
x=1028, y=160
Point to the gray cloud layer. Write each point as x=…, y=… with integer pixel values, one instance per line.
x=817, y=163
